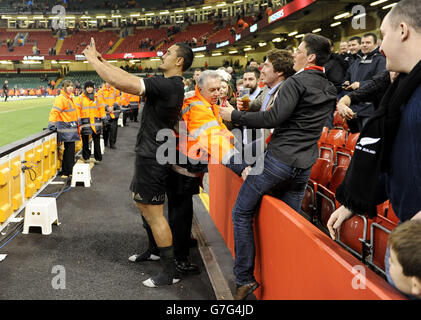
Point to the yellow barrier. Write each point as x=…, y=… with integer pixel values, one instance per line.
x=26, y=166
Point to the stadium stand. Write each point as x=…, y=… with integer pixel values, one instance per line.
x=131, y=42
x=79, y=40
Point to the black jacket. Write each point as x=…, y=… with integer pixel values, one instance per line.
x=298, y=115
x=335, y=71
x=362, y=70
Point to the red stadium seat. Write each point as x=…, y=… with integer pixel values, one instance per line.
x=326, y=205
x=320, y=175
x=325, y=197
x=382, y=208
x=344, y=154
x=323, y=137
x=338, y=121
x=390, y=214
x=354, y=234
x=380, y=230
x=335, y=139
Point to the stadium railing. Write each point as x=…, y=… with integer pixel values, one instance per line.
x=26, y=167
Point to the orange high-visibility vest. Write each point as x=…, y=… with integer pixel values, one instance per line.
x=204, y=135
x=125, y=98
x=90, y=112
x=65, y=118
x=31, y=92
x=109, y=97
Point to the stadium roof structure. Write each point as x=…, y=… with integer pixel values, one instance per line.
x=287, y=23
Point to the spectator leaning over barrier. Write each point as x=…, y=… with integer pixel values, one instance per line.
x=276, y=69
x=64, y=118
x=387, y=161
x=298, y=115
x=163, y=105
x=202, y=137
x=405, y=258
x=91, y=115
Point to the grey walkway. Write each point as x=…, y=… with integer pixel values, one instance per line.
x=100, y=228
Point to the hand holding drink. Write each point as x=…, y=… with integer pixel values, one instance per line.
x=244, y=97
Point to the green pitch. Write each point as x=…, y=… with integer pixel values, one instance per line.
x=20, y=119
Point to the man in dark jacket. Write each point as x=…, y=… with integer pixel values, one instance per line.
x=298, y=115
x=335, y=70
x=370, y=63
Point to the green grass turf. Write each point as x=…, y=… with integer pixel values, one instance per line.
x=20, y=119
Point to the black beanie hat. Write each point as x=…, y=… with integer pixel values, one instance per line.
x=89, y=84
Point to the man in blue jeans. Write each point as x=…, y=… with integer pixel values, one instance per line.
x=298, y=115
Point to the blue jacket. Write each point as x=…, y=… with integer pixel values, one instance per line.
x=361, y=71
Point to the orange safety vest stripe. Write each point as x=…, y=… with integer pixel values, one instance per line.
x=63, y=110
x=125, y=98
x=89, y=109
x=205, y=130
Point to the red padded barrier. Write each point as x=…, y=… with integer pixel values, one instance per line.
x=294, y=259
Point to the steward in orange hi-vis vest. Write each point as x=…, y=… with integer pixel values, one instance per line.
x=109, y=99
x=64, y=118
x=204, y=136
x=134, y=106
x=91, y=113
x=125, y=106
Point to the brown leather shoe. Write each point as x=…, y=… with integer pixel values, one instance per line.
x=246, y=289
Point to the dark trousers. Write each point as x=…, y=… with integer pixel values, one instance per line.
x=289, y=184
x=110, y=132
x=86, y=151
x=134, y=114
x=5, y=97
x=180, y=214
x=126, y=115
x=68, y=158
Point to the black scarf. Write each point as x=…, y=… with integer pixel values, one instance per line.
x=90, y=96
x=374, y=146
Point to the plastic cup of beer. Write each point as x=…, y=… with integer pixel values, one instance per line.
x=244, y=95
